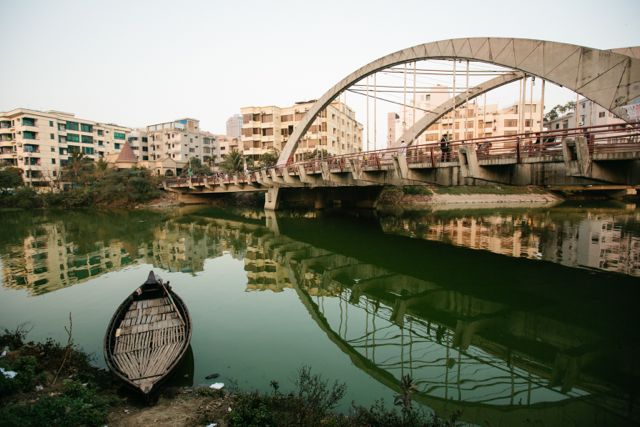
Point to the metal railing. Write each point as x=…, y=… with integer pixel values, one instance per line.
x=529, y=145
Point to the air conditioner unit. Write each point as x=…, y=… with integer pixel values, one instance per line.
x=19, y=144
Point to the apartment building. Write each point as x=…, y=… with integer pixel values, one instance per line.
x=467, y=122
x=589, y=113
x=40, y=142
x=234, y=126
x=180, y=140
x=335, y=130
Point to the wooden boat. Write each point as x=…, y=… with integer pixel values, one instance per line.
x=148, y=335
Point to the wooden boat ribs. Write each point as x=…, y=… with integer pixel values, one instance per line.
x=148, y=340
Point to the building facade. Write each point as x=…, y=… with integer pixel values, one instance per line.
x=466, y=122
x=335, y=131
x=589, y=114
x=234, y=126
x=40, y=142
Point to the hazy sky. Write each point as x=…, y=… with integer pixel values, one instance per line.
x=142, y=62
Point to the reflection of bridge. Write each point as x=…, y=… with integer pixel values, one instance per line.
x=586, y=156
x=500, y=361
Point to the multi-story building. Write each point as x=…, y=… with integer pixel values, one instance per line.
x=335, y=130
x=180, y=140
x=590, y=114
x=40, y=142
x=467, y=122
x=234, y=126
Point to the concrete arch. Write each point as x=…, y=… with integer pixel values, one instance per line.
x=432, y=116
x=610, y=79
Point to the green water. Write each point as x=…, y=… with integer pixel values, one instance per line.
x=508, y=316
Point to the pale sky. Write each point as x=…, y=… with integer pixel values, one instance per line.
x=142, y=62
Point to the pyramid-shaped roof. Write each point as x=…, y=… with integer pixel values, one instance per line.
x=126, y=155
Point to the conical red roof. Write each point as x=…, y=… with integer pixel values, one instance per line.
x=126, y=155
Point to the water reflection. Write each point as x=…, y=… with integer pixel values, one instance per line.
x=504, y=340
x=599, y=238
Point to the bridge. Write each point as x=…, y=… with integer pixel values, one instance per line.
x=583, y=157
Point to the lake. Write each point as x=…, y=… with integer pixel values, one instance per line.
x=509, y=316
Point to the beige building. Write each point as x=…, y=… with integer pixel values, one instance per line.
x=335, y=131
x=589, y=113
x=470, y=121
x=40, y=142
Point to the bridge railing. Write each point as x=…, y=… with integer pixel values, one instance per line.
x=601, y=139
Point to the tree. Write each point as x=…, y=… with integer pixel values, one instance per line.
x=196, y=167
x=316, y=154
x=10, y=178
x=270, y=158
x=79, y=169
x=559, y=110
x=233, y=162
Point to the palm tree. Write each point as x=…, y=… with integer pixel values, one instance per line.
x=233, y=162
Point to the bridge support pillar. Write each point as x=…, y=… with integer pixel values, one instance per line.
x=575, y=153
x=271, y=199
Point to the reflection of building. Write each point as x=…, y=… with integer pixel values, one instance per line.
x=335, y=131
x=595, y=242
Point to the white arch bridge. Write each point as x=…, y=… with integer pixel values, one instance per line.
x=588, y=156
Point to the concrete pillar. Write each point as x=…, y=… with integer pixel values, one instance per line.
x=271, y=200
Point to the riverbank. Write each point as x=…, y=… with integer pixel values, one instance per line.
x=421, y=197
x=52, y=384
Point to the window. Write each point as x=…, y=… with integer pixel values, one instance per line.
x=511, y=123
x=52, y=136
x=100, y=143
x=53, y=149
x=100, y=132
x=28, y=121
x=73, y=137
x=601, y=114
x=50, y=123
x=119, y=135
x=116, y=146
x=72, y=125
x=86, y=128
x=87, y=139
x=53, y=161
x=88, y=150
x=28, y=134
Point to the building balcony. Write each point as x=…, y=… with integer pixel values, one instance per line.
x=7, y=143
x=8, y=155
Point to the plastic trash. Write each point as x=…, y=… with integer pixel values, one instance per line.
x=216, y=386
x=39, y=388
x=211, y=425
x=12, y=374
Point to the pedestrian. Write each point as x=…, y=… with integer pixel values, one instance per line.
x=443, y=147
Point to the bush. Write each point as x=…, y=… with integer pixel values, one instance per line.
x=77, y=405
x=417, y=190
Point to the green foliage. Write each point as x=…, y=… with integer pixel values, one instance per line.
x=233, y=162
x=10, y=178
x=254, y=410
x=197, y=168
x=23, y=381
x=316, y=154
x=125, y=187
x=77, y=405
x=79, y=170
x=417, y=190
x=268, y=159
x=559, y=110
x=315, y=397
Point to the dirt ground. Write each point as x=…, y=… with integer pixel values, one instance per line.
x=186, y=408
